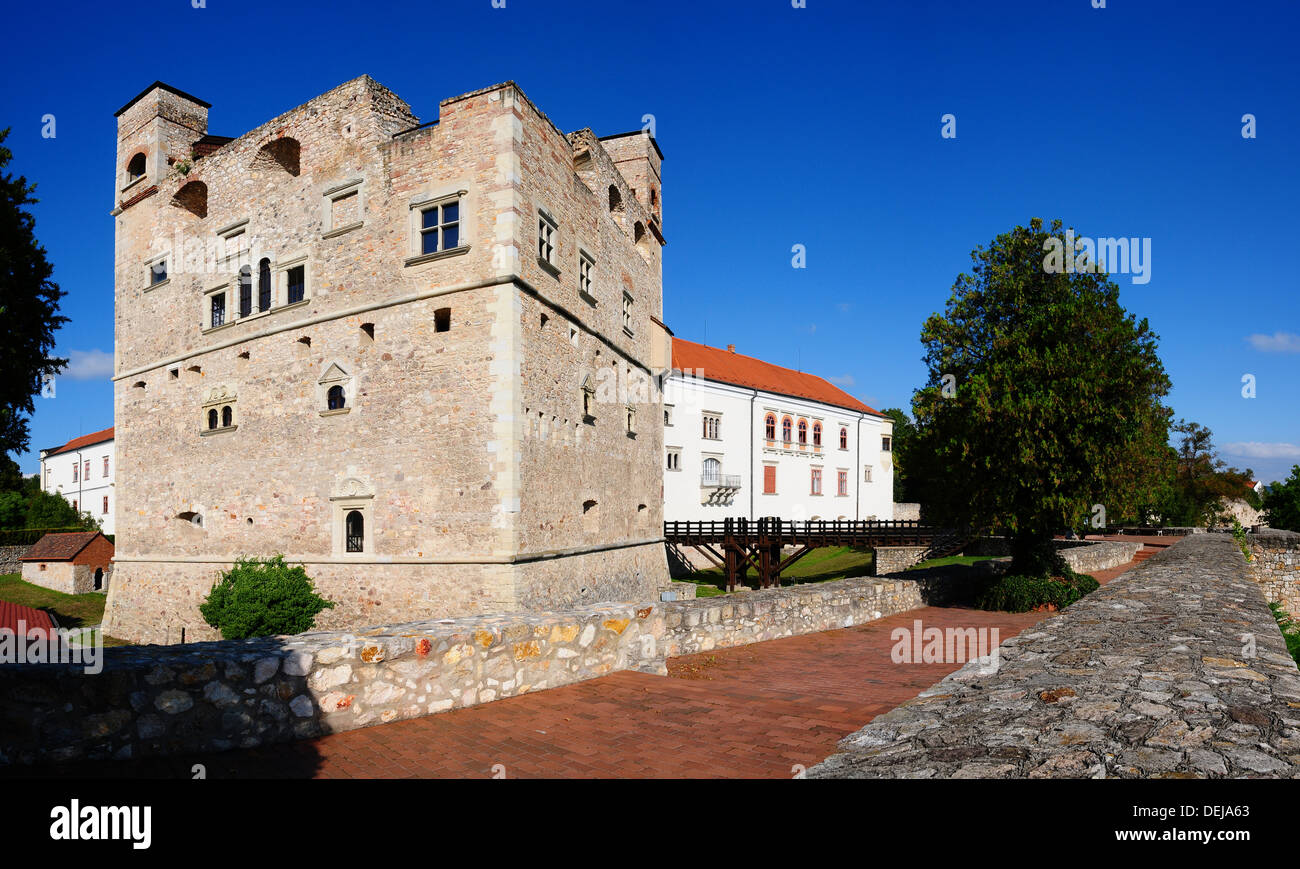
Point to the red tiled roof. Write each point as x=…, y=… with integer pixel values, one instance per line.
x=11, y=614
x=726, y=366
x=85, y=441
x=59, y=547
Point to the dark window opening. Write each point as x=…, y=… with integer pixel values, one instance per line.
x=440, y=227
x=442, y=320
x=369, y=330
x=297, y=284
x=158, y=272
x=135, y=169
x=264, y=285
x=356, y=532
x=218, y=310
x=245, y=291
x=227, y=417
x=336, y=398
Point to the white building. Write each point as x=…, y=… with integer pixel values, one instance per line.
x=743, y=437
x=82, y=471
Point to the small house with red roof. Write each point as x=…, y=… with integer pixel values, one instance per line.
x=747, y=438
x=75, y=562
x=82, y=471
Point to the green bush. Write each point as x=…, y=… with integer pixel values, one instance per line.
x=1290, y=630
x=1020, y=594
x=262, y=598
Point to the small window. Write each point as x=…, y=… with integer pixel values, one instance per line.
x=712, y=426
x=356, y=531
x=769, y=427
x=816, y=481
x=158, y=272
x=135, y=168
x=627, y=313
x=585, y=266
x=336, y=400
x=631, y=420
x=886, y=443
x=546, y=229
x=843, y=484
x=245, y=291
x=264, y=285
x=615, y=198
x=440, y=227
x=803, y=431
x=844, y=438
x=297, y=284
x=786, y=425
x=866, y=473
x=668, y=415
x=86, y=472
x=442, y=320
x=218, y=310
x=76, y=472
x=227, y=416
x=234, y=244
x=214, y=419
x=105, y=510
x=674, y=459
x=345, y=209
x=817, y=434
x=106, y=466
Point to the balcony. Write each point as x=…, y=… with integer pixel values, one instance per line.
x=720, y=481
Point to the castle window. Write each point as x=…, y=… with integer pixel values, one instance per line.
x=76, y=472
x=213, y=419
x=631, y=421
x=227, y=416
x=245, y=291
x=843, y=486
x=886, y=443
x=217, y=309
x=816, y=481
x=589, y=400
x=105, y=510
x=769, y=427
x=674, y=459
x=817, y=434
x=264, y=285
x=135, y=168
x=442, y=320
x=786, y=425
x=866, y=473
x=712, y=426
x=356, y=531
x=668, y=415
x=440, y=226
x=844, y=438
x=615, y=198
x=546, y=230
x=654, y=203
x=627, y=313
x=158, y=272
x=296, y=283
x=712, y=472
x=803, y=431
x=105, y=466
x=586, y=264
x=335, y=399
x=344, y=208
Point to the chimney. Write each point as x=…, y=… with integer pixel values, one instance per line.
x=731, y=348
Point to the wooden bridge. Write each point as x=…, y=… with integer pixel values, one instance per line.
x=737, y=544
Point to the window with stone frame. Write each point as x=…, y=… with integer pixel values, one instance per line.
x=674, y=462
x=217, y=308
x=586, y=265
x=439, y=228
x=627, y=313
x=547, y=228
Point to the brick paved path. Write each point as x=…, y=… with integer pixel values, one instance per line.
x=752, y=711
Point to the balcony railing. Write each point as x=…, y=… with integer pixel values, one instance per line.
x=720, y=481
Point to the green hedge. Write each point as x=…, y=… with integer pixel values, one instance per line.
x=28, y=536
x=1020, y=594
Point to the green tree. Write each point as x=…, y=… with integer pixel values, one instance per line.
x=1044, y=398
x=29, y=305
x=1282, y=502
x=1202, y=481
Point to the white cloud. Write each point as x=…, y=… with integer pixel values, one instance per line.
x=88, y=365
x=842, y=380
x=1278, y=342
x=1257, y=450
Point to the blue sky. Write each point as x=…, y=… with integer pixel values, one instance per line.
x=817, y=126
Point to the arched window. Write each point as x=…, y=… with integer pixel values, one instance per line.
x=336, y=399
x=135, y=168
x=817, y=434
x=803, y=431
x=356, y=532
x=280, y=154
x=212, y=419
x=712, y=471
x=769, y=427
x=227, y=416
x=193, y=197
x=844, y=438
x=785, y=429
x=264, y=285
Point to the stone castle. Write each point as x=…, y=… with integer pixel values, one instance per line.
x=420, y=359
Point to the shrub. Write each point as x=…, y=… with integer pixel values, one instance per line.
x=1290, y=630
x=262, y=598
x=1239, y=535
x=1020, y=594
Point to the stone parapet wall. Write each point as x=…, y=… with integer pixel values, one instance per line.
x=1275, y=565
x=1094, y=555
x=894, y=559
x=907, y=512
x=9, y=556
x=1176, y=669
x=752, y=617
x=219, y=696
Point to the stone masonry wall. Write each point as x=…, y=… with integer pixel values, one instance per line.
x=1176, y=669
x=9, y=556
x=893, y=559
x=219, y=696
x=1099, y=555
x=1275, y=565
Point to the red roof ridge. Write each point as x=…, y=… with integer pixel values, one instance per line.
x=97, y=437
x=728, y=366
x=59, y=546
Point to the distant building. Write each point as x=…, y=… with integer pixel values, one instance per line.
x=744, y=437
x=82, y=472
x=73, y=563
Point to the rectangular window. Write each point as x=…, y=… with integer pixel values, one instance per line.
x=585, y=266
x=297, y=282
x=816, y=481
x=712, y=426
x=885, y=443
x=769, y=479
x=105, y=466
x=674, y=459
x=85, y=473
x=105, y=505
x=245, y=292
x=843, y=483
x=546, y=238
x=344, y=210
x=866, y=473
x=158, y=272
x=440, y=227
x=218, y=313
x=627, y=313
x=76, y=472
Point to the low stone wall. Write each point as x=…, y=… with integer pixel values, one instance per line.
x=906, y=512
x=217, y=696
x=1275, y=565
x=1176, y=669
x=895, y=559
x=9, y=556
x=752, y=617
x=1093, y=555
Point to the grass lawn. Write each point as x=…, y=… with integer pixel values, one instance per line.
x=950, y=560
x=820, y=565
x=70, y=610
